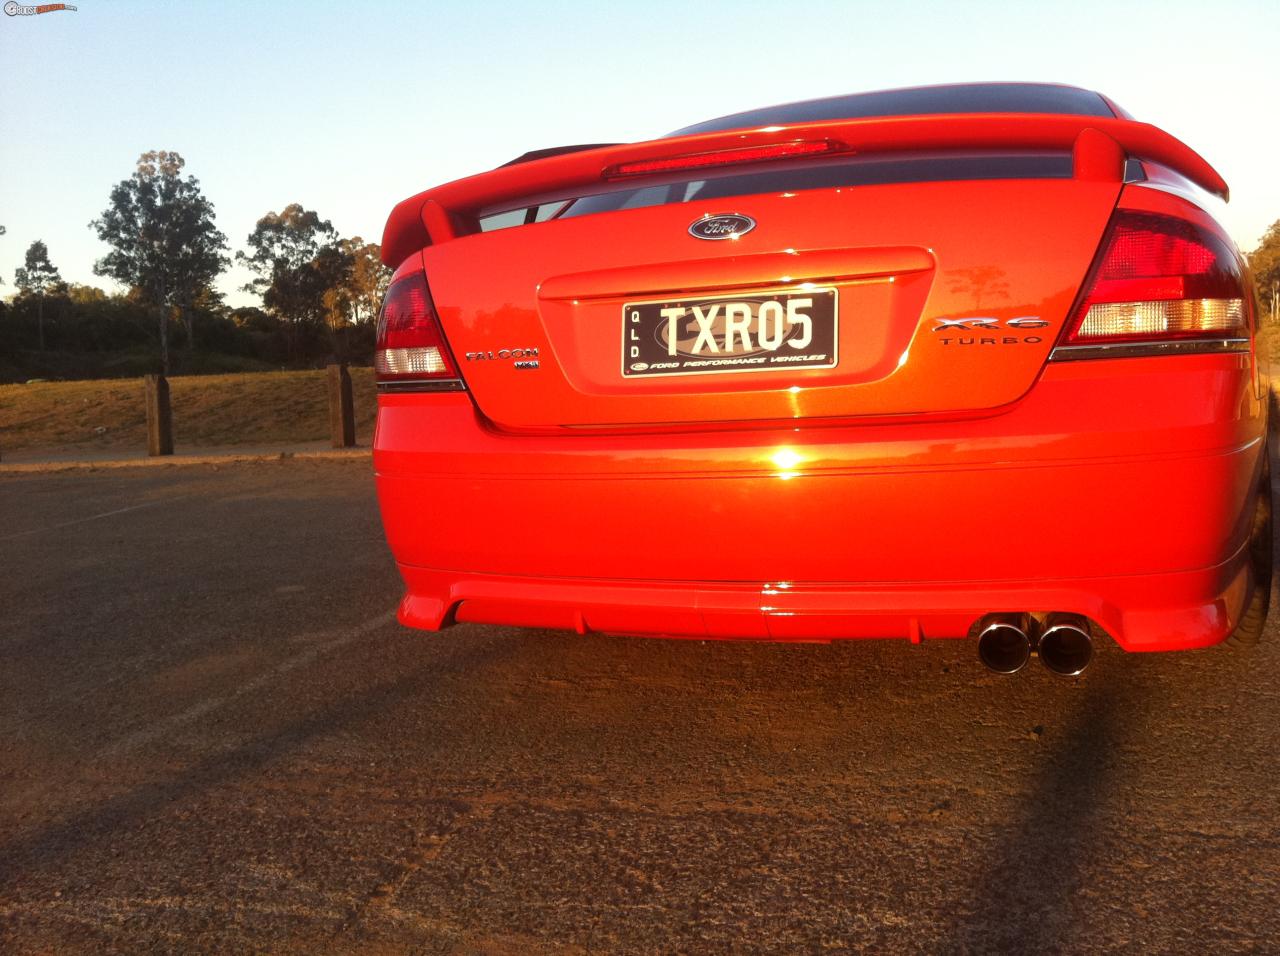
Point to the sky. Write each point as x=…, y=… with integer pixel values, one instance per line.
x=348, y=107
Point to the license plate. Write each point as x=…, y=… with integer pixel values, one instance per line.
x=753, y=332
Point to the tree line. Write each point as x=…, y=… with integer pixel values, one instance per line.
x=1265, y=263
x=320, y=291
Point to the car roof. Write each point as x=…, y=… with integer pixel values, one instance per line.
x=920, y=101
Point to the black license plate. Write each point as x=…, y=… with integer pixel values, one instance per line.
x=753, y=332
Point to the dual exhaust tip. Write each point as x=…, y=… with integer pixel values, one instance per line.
x=1062, y=642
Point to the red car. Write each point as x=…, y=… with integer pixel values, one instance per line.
x=960, y=361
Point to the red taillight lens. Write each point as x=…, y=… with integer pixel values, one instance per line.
x=725, y=157
x=411, y=345
x=1160, y=279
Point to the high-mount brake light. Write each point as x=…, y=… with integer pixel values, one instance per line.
x=411, y=350
x=1162, y=282
x=725, y=157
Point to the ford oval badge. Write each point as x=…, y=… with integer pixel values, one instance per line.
x=724, y=226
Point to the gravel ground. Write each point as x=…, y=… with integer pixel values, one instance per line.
x=217, y=739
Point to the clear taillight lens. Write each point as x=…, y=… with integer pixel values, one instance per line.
x=411, y=361
x=1158, y=319
x=1161, y=279
x=411, y=345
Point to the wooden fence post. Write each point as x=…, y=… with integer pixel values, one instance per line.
x=159, y=416
x=342, y=410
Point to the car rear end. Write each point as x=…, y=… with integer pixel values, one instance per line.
x=921, y=373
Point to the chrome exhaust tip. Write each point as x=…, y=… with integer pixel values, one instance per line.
x=1066, y=645
x=1004, y=642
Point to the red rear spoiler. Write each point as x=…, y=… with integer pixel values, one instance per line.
x=1100, y=146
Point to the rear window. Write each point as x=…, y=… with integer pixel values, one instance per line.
x=521, y=217
x=792, y=177
x=920, y=101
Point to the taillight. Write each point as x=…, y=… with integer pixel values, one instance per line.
x=1160, y=281
x=411, y=349
x=725, y=157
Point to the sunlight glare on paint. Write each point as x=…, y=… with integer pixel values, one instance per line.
x=786, y=460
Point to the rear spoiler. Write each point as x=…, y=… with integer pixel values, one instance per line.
x=1099, y=145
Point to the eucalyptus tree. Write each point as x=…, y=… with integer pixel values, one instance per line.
x=299, y=262
x=38, y=278
x=163, y=240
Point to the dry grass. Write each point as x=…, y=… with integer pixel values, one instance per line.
x=259, y=408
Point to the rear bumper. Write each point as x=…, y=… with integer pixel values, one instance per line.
x=1144, y=613
x=1120, y=490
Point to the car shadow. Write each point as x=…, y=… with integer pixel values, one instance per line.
x=1028, y=896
